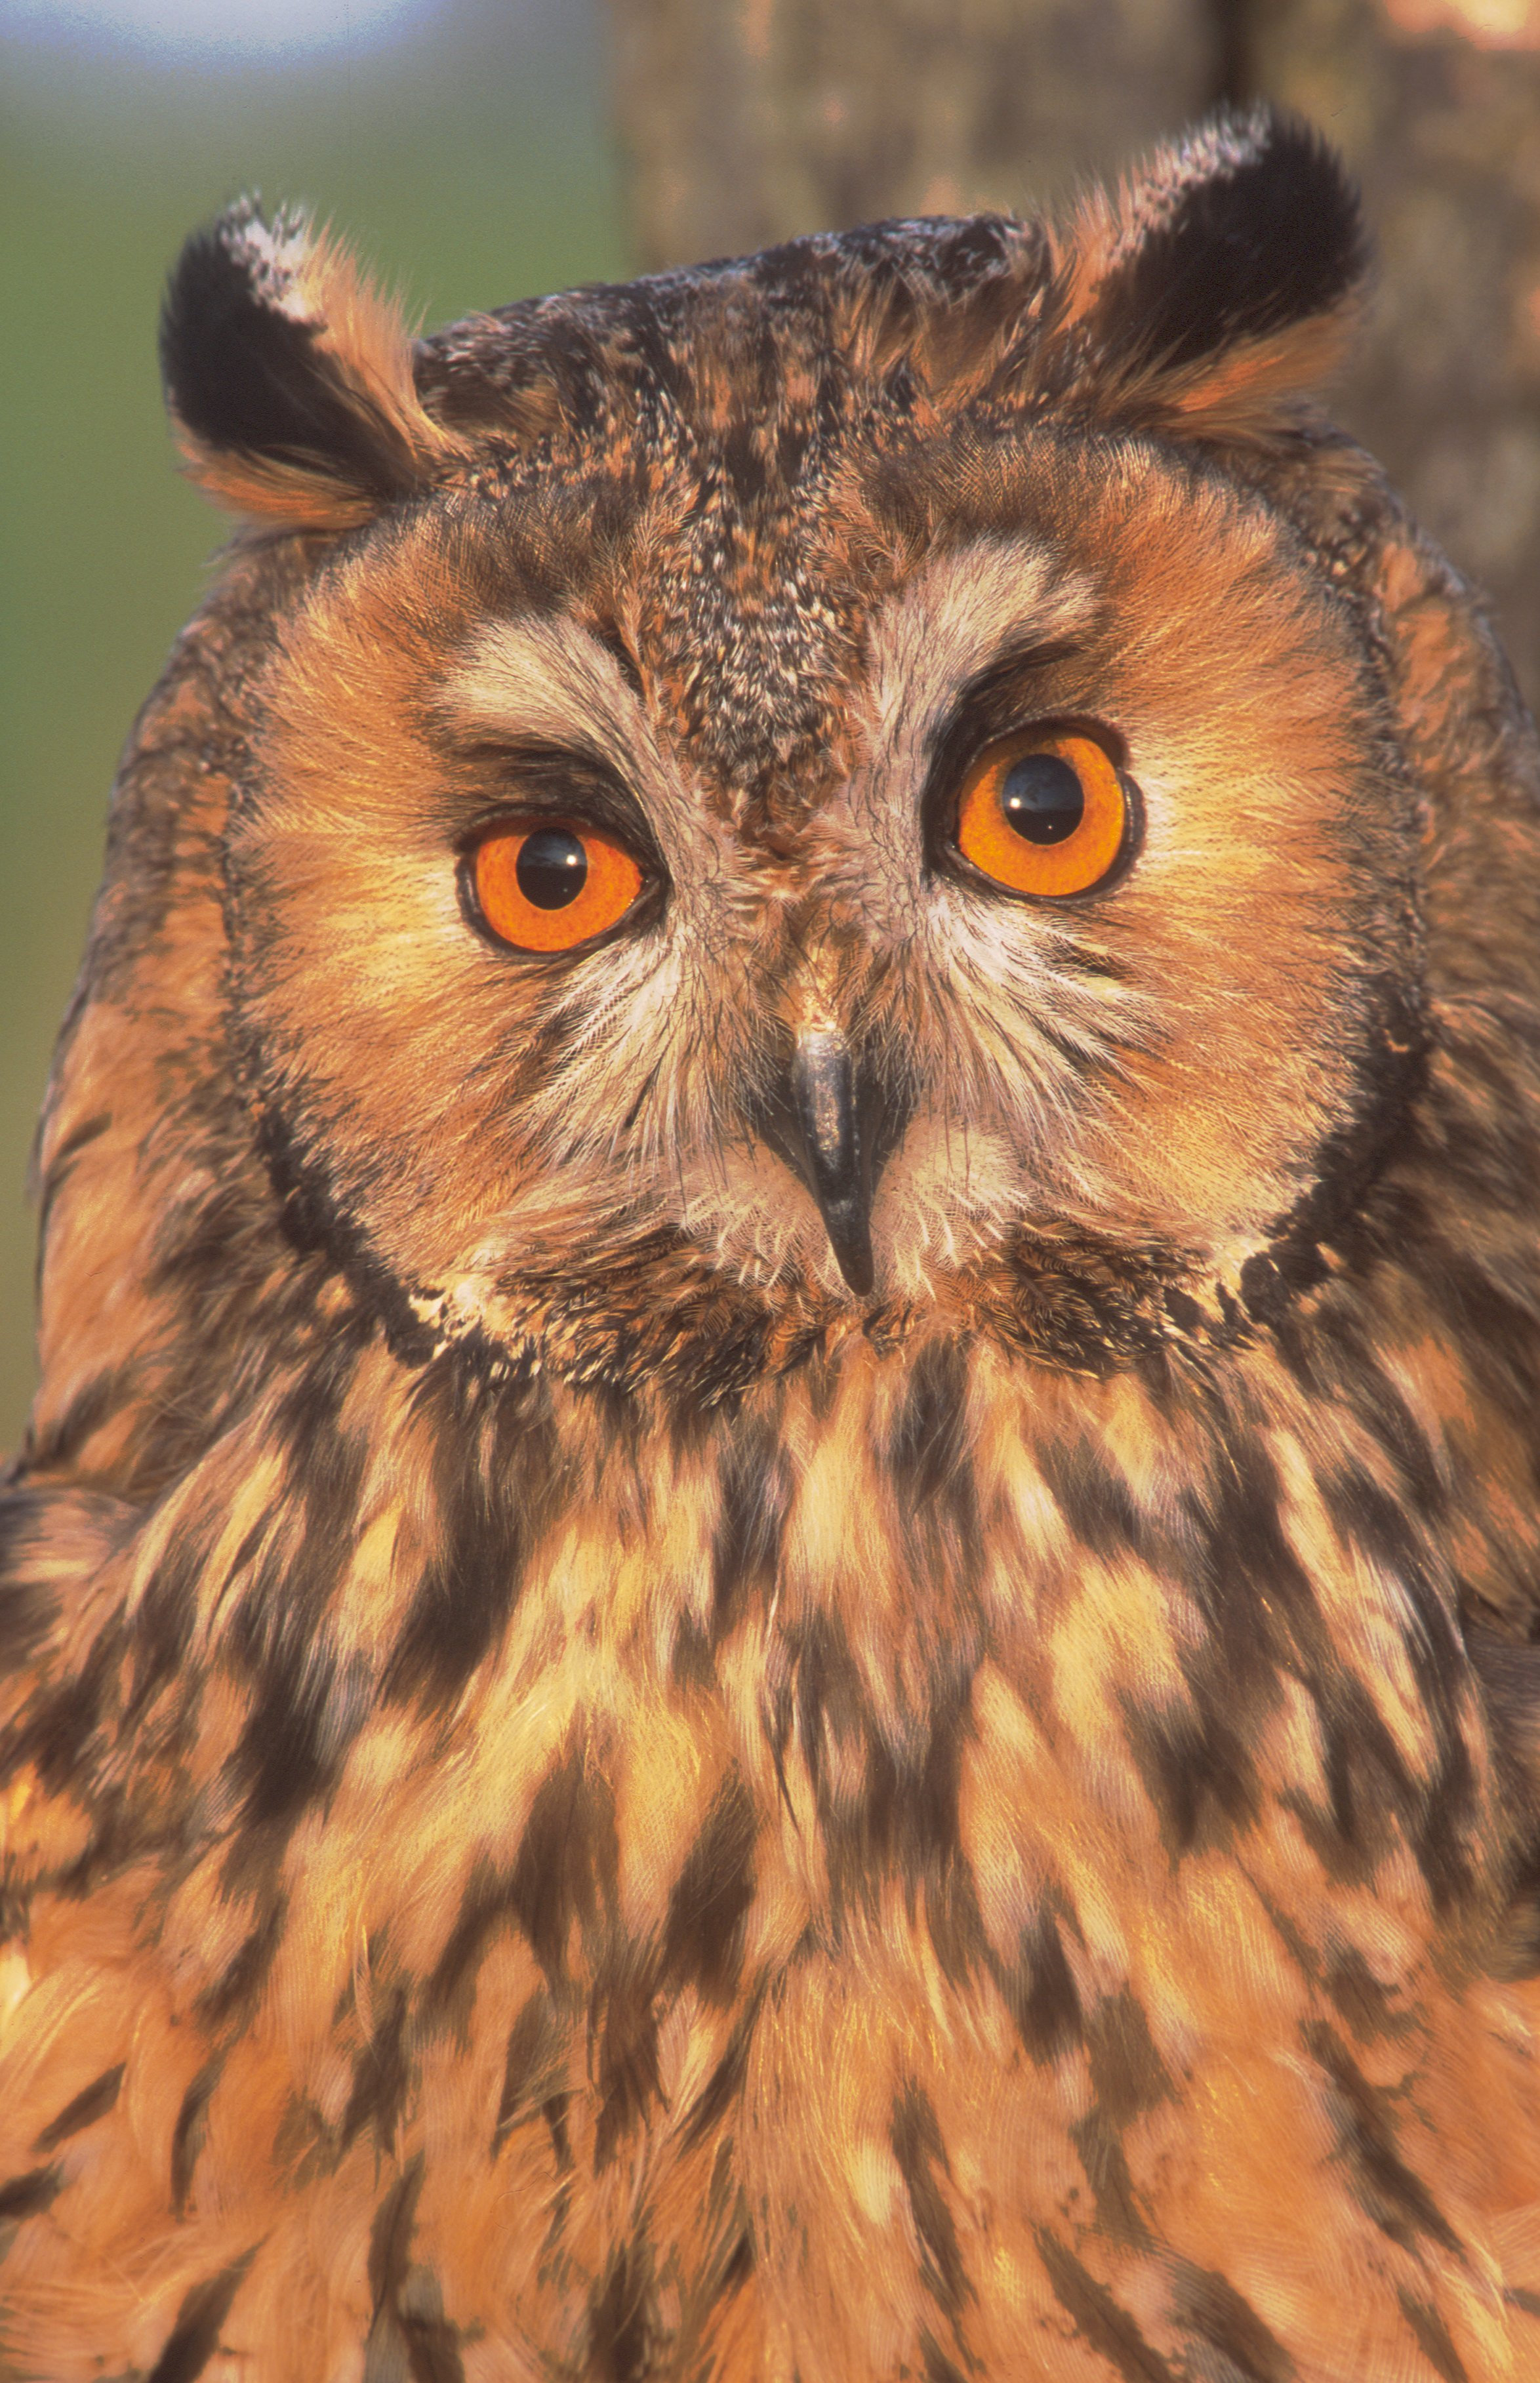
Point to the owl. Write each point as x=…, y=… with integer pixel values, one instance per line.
x=772, y=1612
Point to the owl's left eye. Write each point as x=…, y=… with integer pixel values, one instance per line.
x=547, y=885
x=1045, y=811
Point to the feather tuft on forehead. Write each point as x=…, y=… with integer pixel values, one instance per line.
x=1219, y=282
x=288, y=374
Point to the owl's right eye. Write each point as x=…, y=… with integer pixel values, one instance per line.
x=547, y=885
x=1044, y=812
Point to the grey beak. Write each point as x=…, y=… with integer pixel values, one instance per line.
x=832, y=1128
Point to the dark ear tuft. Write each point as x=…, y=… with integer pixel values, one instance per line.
x=290, y=379
x=1249, y=225
x=1224, y=275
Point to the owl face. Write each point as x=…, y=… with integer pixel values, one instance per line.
x=788, y=811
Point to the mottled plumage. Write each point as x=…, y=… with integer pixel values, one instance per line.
x=798, y=1645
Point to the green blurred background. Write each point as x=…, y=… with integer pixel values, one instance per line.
x=465, y=148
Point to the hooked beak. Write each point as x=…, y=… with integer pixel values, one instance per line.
x=833, y=1127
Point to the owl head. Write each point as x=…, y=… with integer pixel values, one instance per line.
x=846, y=791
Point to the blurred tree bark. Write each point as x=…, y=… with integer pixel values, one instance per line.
x=749, y=120
x=1437, y=107
x=746, y=121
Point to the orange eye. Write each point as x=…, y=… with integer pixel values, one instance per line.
x=547, y=886
x=1044, y=812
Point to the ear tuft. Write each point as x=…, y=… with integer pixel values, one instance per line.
x=289, y=376
x=1222, y=279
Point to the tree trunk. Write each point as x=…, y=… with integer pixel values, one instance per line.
x=746, y=121
x=1444, y=133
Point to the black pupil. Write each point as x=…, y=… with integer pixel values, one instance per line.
x=1042, y=798
x=552, y=868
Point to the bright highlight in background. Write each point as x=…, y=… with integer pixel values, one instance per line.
x=212, y=29
x=1490, y=24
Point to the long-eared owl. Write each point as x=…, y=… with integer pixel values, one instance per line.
x=768, y=1618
